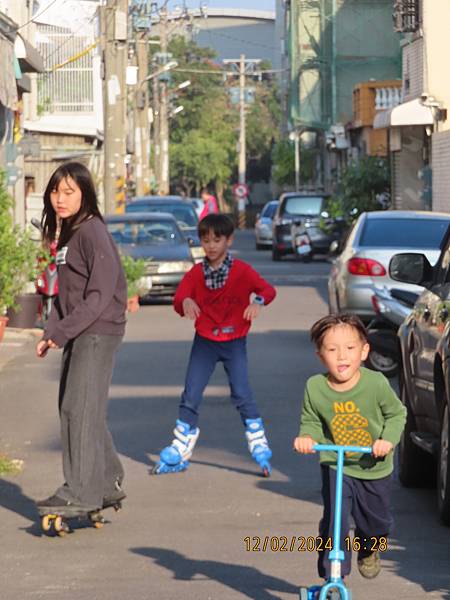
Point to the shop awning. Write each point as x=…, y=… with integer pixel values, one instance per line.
x=29, y=58
x=407, y=113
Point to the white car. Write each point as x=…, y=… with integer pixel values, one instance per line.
x=363, y=261
x=263, y=225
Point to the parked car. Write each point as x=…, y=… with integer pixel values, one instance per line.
x=364, y=258
x=157, y=239
x=263, y=225
x=183, y=211
x=425, y=382
x=299, y=208
x=198, y=205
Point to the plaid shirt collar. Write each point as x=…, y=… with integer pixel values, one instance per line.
x=216, y=279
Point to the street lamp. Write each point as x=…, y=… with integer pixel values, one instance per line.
x=177, y=110
x=184, y=85
x=167, y=67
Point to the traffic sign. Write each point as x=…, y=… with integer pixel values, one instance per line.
x=240, y=190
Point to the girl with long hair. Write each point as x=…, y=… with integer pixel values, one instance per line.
x=88, y=322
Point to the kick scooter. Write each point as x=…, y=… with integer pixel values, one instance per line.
x=334, y=588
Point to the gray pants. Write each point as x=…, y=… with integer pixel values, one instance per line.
x=90, y=462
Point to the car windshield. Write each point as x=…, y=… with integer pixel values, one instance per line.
x=303, y=205
x=269, y=211
x=403, y=233
x=144, y=233
x=184, y=215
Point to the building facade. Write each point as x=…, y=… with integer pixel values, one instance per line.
x=333, y=45
x=419, y=127
x=20, y=62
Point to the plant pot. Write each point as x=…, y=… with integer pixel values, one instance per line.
x=133, y=304
x=26, y=315
x=3, y=324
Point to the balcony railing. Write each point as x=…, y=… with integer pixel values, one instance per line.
x=387, y=97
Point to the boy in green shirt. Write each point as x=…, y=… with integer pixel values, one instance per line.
x=350, y=405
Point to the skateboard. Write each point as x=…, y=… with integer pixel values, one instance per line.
x=57, y=522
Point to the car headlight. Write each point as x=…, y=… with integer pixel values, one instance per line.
x=180, y=266
x=197, y=252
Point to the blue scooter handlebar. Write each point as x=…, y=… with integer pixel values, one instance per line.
x=336, y=448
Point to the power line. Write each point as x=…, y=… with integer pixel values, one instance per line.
x=38, y=15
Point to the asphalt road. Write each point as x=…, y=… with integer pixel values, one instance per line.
x=184, y=535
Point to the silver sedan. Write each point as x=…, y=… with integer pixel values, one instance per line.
x=263, y=225
x=364, y=257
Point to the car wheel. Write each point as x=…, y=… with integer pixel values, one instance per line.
x=276, y=256
x=443, y=484
x=384, y=364
x=416, y=467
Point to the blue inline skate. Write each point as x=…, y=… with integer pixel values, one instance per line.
x=175, y=458
x=258, y=444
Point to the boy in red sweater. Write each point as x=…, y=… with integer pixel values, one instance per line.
x=223, y=295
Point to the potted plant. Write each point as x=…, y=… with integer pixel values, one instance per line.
x=18, y=257
x=134, y=273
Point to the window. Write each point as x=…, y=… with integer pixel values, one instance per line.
x=144, y=233
x=403, y=233
x=303, y=205
x=184, y=214
x=269, y=211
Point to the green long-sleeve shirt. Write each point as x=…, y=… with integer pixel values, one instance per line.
x=358, y=417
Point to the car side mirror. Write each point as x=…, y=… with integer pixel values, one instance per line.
x=334, y=247
x=410, y=267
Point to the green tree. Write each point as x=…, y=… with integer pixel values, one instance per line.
x=283, y=161
x=18, y=254
x=204, y=135
x=363, y=186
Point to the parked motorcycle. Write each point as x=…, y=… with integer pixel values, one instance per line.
x=392, y=306
x=47, y=281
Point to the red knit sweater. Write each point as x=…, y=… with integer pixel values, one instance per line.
x=222, y=311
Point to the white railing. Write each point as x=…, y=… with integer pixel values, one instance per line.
x=69, y=88
x=387, y=97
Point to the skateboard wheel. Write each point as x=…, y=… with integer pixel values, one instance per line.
x=46, y=523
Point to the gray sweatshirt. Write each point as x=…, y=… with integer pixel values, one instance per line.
x=92, y=286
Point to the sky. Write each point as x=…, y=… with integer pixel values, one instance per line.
x=249, y=4
x=63, y=11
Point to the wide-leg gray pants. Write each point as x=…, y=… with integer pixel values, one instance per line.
x=90, y=462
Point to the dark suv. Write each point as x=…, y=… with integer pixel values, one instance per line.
x=304, y=208
x=425, y=382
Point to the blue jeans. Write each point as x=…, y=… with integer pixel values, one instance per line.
x=205, y=354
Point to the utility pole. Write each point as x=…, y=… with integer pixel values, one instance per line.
x=142, y=117
x=113, y=19
x=242, y=67
x=242, y=139
x=156, y=133
x=164, y=183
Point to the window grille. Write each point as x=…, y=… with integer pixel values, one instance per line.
x=406, y=15
x=70, y=88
